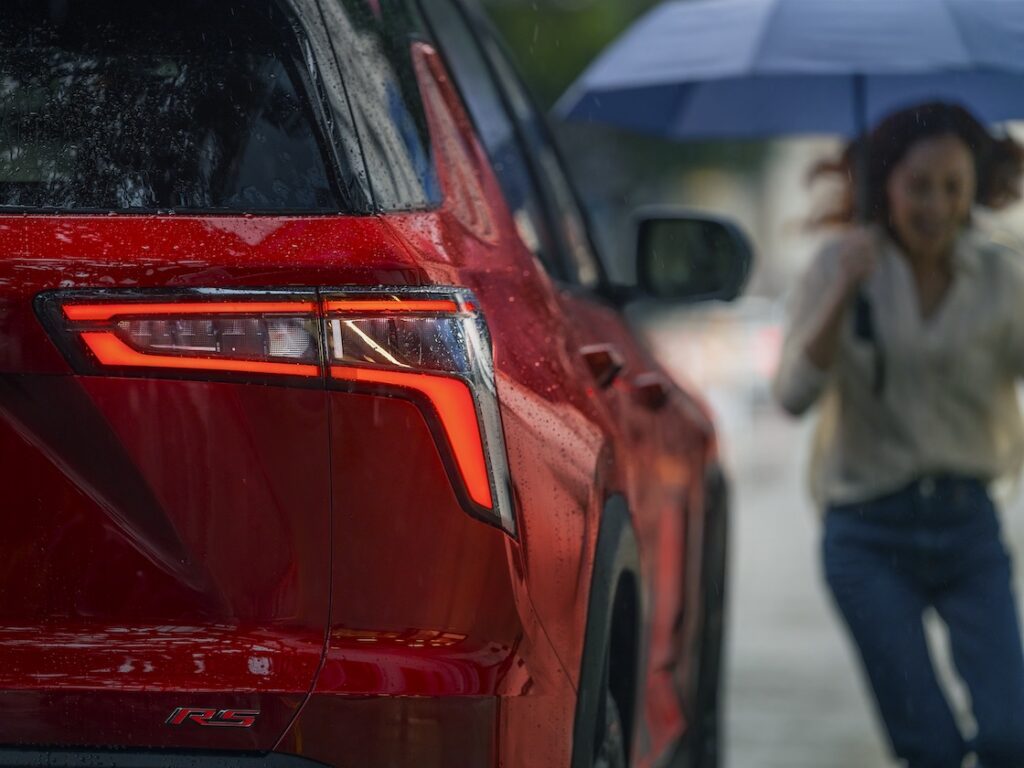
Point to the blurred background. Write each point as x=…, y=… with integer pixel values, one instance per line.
x=794, y=697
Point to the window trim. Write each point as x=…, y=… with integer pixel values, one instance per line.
x=324, y=118
x=490, y=44
x=358, y=118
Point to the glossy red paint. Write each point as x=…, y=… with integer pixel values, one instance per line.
x=357, y=732
x=302, y=551
x=171, y=539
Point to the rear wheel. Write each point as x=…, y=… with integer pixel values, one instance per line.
x=610, y=749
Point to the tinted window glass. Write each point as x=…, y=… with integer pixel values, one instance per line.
x=336, y=109
x=569, y=220
x=373, y=43
x=495, y=128
x=181, y=106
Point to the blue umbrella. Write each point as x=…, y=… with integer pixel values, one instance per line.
x=693, y=69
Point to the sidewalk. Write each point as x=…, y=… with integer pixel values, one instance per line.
x=794, y=698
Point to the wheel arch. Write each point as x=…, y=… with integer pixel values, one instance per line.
x=614, y=621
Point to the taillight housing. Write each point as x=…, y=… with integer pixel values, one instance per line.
x=432, y=345
x=270, y=335
x=429, y=345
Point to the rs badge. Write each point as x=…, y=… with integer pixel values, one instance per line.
x=220, y=718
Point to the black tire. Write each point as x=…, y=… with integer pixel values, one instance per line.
x=703, y=746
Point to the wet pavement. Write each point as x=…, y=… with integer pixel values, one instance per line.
x=795, y=698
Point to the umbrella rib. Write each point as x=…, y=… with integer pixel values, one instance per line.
x=682, y=103
x=762, y=36
x=955, y=21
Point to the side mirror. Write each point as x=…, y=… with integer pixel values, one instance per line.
x=683, y=256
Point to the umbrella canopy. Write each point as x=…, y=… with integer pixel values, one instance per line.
x=694, y=69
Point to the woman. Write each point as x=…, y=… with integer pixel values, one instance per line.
x=918, y=415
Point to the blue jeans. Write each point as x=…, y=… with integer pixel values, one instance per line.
x=933, y=544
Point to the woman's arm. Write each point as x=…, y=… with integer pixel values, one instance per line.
x=1006, y=268
x=812, y=340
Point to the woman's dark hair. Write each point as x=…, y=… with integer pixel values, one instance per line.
x=998, y=160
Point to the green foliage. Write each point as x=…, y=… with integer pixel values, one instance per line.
x=554, y=41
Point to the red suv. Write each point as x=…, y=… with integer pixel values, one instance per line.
x=322, y=437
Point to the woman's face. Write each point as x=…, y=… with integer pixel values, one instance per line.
x=930, y=194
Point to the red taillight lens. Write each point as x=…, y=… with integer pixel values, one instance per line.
x=185, y=307
x=452, y=401
x=429, y=345
x=392, y=305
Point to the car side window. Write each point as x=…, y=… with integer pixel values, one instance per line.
x=495, y=128
x=372, y=41
x=570, y=223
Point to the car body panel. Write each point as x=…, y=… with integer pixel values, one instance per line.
x=128, y=568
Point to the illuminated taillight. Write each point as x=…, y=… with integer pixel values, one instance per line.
x=253, y=335
x=430, y=345
x=427, y=345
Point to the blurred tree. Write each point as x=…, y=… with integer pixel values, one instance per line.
x=554, y=40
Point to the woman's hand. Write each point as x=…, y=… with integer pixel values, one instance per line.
x=858, y=254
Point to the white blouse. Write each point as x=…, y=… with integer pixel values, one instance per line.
x=949, y=402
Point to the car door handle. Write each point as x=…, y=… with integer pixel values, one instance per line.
x=604, y=361
x=651, y=390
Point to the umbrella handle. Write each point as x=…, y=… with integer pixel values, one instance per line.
x=864, y=329
x=863, y=313
x=863, y=317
